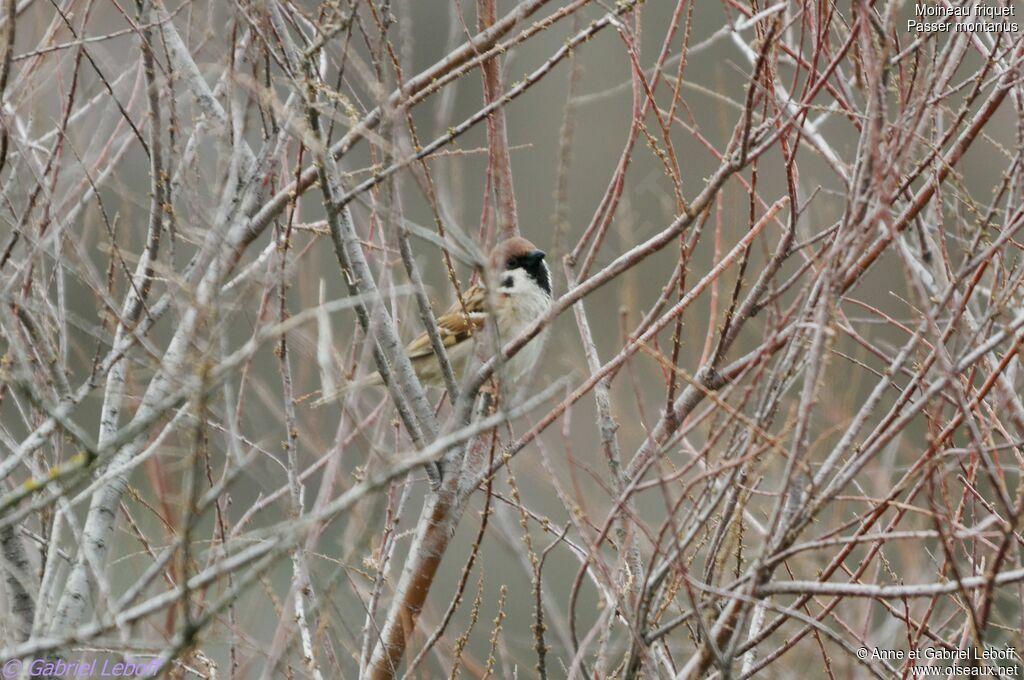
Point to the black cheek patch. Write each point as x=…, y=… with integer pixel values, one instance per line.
x=539, y=273
x=507, y=282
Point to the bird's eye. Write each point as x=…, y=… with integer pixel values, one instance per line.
x=512, y=263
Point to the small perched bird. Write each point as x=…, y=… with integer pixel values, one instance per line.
x=523, y=295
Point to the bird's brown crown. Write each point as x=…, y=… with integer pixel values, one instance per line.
x=508, y=249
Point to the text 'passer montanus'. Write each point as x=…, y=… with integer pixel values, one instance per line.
x=523, y=295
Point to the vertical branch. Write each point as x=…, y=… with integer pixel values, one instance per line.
x=438, y=519
x=6, y=52
x=74, y=602
x=499, y=159
x=18, y=581
x=392, y=362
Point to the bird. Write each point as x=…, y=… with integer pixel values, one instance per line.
x=523, y=295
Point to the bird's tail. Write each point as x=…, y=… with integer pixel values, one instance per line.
x=333, y=395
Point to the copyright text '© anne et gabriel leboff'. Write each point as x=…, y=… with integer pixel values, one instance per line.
x=988, y=18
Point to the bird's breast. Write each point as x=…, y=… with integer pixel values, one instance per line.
x=520, y=311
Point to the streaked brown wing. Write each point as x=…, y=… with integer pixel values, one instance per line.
x=453, y=324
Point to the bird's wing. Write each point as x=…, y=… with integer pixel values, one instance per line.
x=455, y=324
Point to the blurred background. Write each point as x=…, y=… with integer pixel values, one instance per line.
x=78, y=188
